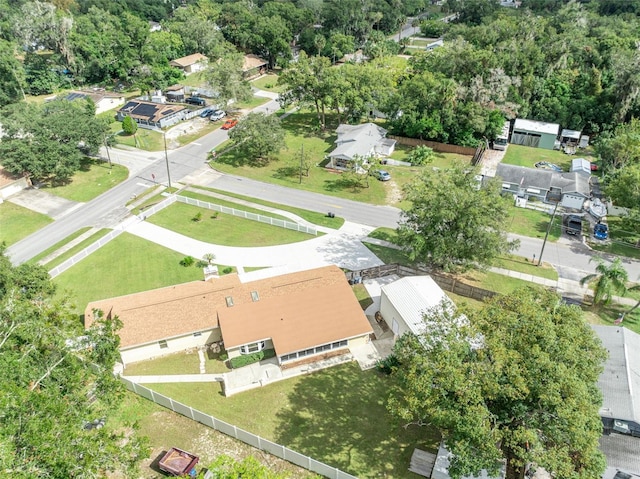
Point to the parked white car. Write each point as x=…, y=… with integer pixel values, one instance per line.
x=217, y=115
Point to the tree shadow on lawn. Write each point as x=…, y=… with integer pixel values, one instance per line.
x=340, y=417
x=236, y=157
x=344, y=182
x=307, y=124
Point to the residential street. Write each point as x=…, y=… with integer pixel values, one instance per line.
x=569, y=256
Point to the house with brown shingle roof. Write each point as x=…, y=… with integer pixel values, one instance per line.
x=253, y=65
x=298, y=315
x=149, y=114
x=191, y=63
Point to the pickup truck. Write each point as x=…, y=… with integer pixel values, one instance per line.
x=574, y=225
x=177, y=462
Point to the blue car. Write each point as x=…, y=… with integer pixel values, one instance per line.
x=382, y=175
x=206, y=112
x=601, y=231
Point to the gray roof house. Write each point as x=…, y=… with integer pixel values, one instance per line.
x=570, y=189
x=620, y=381
x=620, y=411
x=364, y=141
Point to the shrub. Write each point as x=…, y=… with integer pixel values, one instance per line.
x=187, y=261
x=214, y=215
x=129, y=125
x=387, y=364
x=227, y=270
x=197, y=217
x=246, y=359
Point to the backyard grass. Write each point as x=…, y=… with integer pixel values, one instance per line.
x=58, y=245
x=269, y=83
x=385, y=234
x=284, y=170
x=608, y=314
x=149, y=140
x=529, y=156
x=94, y=178
x=126, y=265
x=179, y=363
x=337, y=415
x=320, y=219
x=362, y=295
x=194, y=80
x=389, y=255
x=224, y=230
x=492, y=281
x=166, y=429
x=17, y=222
x=533, y=223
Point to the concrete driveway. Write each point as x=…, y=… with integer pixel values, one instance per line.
x=43, y=202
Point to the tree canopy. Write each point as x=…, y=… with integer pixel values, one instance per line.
x=454, y=222
x=48, y=142
x=55, y=378
x=515, y=380
x=258, y=136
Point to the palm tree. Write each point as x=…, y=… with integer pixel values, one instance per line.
x=207, y=260
x=609, y=280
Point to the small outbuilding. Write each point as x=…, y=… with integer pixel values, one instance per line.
x=581, y=165
x=570, y=137
x=404, y=302
x=103, y=100
x=253, y=66
x=191, y=63
x=538, y=134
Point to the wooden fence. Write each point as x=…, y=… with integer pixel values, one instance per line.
x=445, y=281
x=440, y=147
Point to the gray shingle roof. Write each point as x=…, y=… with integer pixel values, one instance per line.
x=622, y=452
x=357, y=139
x=544, y=179
x=620, y=380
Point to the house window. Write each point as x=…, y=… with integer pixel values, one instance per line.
x=195, y=335
x=229, y=300
x=163, y=344
x=255, y=296
x=252, y=347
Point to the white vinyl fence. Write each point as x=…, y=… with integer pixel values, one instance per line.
x=250, y=216
x=258, y=442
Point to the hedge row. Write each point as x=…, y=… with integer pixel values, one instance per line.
x=251, y=358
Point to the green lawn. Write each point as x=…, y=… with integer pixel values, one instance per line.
x=320, y=219
x=17, y=222
x=200, y=132
x=94, y=178
x=385, y=234
x=225, y=230
x=362, y=295
x=533, y=223
x=492, y=281
x=230, y=204
x=610, y=313
x=250, y=104
x=523, y=265
x=77, y=248
x=179, y=363
x=528, y=156
x=58, y=245
x=195, y=80
x=127, y=264
x=269, y=83
x=283, y=170
x=389, y=255
x=149, y=140
x=337, y=415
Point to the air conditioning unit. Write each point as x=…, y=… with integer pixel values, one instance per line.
x=621, y=426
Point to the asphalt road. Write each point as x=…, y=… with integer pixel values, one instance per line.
x=570, y=256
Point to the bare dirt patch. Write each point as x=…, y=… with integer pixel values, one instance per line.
x=394, y=193
x=187, y=127
x=174, y=430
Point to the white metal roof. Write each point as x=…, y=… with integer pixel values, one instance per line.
x=620, y=380
x=536, y=126
x=412, y=296
x=570, y=134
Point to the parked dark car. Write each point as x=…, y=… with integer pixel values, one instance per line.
x=601, y=231
x=195, y=100
x=573, y=225
x=206, y=112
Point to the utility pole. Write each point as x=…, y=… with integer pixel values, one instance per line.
x=301, y=158
x=547, y=233
x=166, y=158
x=106, y=147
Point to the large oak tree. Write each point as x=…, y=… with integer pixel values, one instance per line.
x=454, y=222
x=515, y=381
